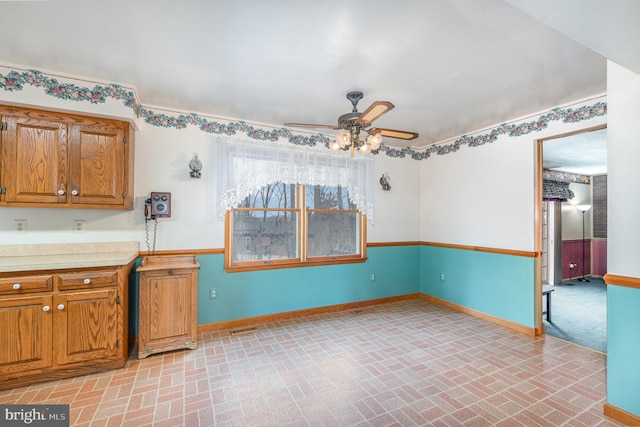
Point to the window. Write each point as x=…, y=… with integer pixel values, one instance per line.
x=289, y=225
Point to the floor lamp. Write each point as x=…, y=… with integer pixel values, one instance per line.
x=583, y=209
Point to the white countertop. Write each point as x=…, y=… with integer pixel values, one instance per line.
x=66, y=255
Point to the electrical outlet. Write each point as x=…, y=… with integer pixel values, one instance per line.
x=373, y=277
x=442, y=278
x=20, y=225
x=78, y=225
x=213, y=293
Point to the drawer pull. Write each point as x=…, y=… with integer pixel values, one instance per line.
x=61, y=192
x=74, y=193
x=16, y=286
x=87, y=281
x=60, y=306
x=46, y=308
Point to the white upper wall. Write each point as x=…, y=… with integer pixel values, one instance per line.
x=480, y=196
x=397, y=210
x=161, y=164
x=623, y=176
x=485, y=196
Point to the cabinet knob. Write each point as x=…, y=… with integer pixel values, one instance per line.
x=87, y=281
x=74, y=192
x=16, y=286
x=60, y=306
x=46, y=308
x=61, y=192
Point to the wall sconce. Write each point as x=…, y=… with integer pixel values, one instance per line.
x=196, y=166
x=384, y=182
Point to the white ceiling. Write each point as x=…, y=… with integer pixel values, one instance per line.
x=583, y=153
x=449, y=66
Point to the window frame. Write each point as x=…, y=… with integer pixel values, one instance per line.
x=303, y=259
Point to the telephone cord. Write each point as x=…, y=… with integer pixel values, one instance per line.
x=150, y=249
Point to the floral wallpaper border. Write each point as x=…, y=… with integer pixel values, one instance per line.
x=548, y=175
x=17, y=80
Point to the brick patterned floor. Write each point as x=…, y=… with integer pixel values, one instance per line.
x=399, y=364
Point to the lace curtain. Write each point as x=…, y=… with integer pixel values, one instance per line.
x=244, y=167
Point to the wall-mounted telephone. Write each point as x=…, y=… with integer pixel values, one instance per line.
x=156, y=206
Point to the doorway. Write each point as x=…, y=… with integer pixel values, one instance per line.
x=572, y=236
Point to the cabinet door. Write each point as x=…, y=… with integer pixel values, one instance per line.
x=25, y=334
x=97, y=163
x=86, y=326
x=168, y=311
x=34, y=152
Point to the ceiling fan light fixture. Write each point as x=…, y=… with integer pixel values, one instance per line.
x=351, y=124
x=374, y=141
x=342, y=139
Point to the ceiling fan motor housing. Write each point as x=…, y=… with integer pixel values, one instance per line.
x=354, y=97
x=348, y=120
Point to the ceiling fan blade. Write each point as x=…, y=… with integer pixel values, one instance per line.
x=374, y=111
x=393, y=133
x=311, y=125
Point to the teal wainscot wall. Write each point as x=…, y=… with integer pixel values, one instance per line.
x=500, y=285
x=258, y=293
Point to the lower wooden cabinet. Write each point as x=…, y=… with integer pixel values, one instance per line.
x=168, y=308
x=88, y=321
x=26, y=335
x=62, y=323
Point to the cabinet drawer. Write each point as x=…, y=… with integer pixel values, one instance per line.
x=87, y=280
x=21, y=284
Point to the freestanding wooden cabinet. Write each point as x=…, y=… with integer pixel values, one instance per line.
x=53, y=159
x=62, y=323
x=168, y=308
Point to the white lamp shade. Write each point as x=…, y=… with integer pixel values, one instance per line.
x=583, y=208
x=374, y=141
x=342, y=138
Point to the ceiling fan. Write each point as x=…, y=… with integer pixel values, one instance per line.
x=350, y=125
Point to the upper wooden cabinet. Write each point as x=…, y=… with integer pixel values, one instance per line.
x=51, y=159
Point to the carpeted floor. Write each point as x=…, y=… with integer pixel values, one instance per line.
x=579, y=313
